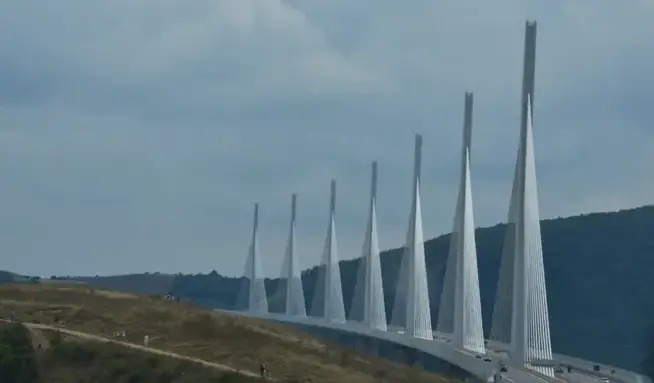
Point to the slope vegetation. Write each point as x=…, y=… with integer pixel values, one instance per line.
x=180, y=328
x=33, y=356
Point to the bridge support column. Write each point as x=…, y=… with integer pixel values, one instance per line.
x=368, y=303
x=328, y=303
x=292, y=273
x=257, y=301
x=460, y=309
x=411, y=309
x=520, y=315
x=411, y=356
x=373, y=346
x=368, y=345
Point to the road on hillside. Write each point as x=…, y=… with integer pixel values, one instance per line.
x=83, y=335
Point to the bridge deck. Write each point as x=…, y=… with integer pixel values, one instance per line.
x=481, y=366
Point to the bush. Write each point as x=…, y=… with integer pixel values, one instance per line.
x=17, y=357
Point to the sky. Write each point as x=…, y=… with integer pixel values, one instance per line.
x=136, y=135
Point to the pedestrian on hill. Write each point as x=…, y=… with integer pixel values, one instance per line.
x=263, y=369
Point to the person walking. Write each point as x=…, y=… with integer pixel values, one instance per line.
x=263, y=369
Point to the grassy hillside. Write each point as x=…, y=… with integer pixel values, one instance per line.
x=598, y=270
x=183, y=329
x=34, y=356
x=86, y=362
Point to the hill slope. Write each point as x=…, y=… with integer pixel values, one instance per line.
x=182, y=329
x=31, y=355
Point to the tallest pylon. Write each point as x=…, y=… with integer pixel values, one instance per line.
x=520, y=315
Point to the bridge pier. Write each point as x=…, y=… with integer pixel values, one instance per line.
x=368, y=305
x=374, y=346
x=411, y=356
x=257, y=299
x=368, y=345
x=291, y=271
x=328, y=296
x=520, y=315
x=411, y=310
x=460, y=310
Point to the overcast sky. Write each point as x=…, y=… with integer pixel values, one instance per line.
x=136, y=135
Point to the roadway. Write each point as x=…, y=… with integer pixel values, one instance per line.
x=480, y=366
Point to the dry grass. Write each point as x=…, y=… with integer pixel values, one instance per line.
x=77, y=360
x=181, y=328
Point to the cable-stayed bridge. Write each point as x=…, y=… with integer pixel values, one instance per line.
x=519, y=347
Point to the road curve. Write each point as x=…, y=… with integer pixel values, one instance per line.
x=83, y=335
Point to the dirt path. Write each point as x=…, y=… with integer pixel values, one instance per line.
x=83, y=335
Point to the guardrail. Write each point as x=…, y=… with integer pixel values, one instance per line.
x=602, y=371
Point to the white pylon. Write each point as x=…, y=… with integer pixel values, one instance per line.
x=328, y=294
x=446, y=309
x=520, y=317
x=411, y=309
x=257, y=299
x=502, y=310
x=468, y=329
x=369, y=292
x=460, y=308
x=292, y=273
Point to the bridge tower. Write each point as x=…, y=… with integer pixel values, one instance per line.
x=368, y=304
x=328, y=294
x=460, y=307
x=257, y=301
x=292, y=273
x=520, y=316
x=411, y=310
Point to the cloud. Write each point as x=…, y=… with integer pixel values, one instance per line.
x=136, y=136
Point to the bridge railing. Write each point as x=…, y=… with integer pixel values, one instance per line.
x=580, y=365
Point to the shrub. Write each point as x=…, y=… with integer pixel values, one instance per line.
x=17, y=357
